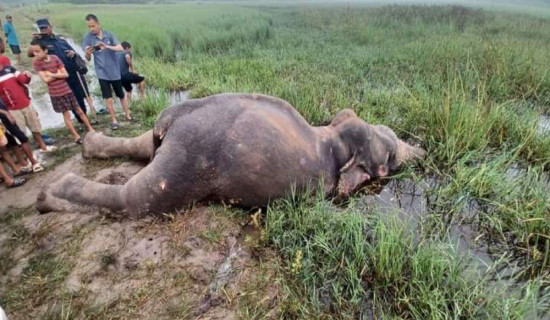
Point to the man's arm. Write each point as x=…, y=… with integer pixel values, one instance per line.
x=129, y=61
x=86, y=44
x=117, y=47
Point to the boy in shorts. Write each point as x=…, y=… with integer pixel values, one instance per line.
x=8, y=181
x=127, y=72
x=52, y=72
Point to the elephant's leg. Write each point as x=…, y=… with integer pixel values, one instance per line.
x=97, y=145
x=74, y=190
x=155, y=189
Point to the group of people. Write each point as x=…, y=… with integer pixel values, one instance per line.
x=62, y=69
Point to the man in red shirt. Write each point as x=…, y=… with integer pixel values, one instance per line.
x=52, y=72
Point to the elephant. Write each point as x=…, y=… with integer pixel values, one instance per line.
x=242, y=149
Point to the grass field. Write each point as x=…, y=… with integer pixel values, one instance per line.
x=469, y=84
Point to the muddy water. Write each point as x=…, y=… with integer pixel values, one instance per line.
x=413, y=202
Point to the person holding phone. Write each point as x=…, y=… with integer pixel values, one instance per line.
x=103, y=45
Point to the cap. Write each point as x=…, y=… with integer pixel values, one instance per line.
x=42, y=23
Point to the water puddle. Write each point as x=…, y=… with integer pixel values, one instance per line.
x=413, y=202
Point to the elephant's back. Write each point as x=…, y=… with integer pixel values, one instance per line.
x=246, y=147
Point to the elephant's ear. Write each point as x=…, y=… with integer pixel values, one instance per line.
x=343, y=115
x=352, y=176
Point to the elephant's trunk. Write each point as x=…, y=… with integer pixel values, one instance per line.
x=406, y=153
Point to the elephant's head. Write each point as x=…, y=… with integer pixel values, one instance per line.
x=374, y=150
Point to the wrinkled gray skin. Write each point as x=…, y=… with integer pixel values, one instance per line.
x=235, y=148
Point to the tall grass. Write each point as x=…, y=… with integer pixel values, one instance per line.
x=343, y=265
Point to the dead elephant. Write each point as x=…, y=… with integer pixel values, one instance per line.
x=235, y=148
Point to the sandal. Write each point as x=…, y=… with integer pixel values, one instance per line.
x=78, y=141
x=17, y=182
x=23, y=171
x=37, y=168
x=114, y=126
x=48, y=149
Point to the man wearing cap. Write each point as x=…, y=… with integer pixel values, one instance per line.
x=9, y=31
x=62, y=49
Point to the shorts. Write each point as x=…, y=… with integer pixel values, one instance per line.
x=11, y=141
x=130, y=78
x=7, y=140
x=64, y=103
x=13, y=129
x=15, y=49
x=27, y=118
x=106, y=86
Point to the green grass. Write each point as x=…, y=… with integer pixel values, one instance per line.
x=349, y=264
x=468, y=84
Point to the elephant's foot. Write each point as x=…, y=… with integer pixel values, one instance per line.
x=53, y=197
x=46, y=202
x=92, y=147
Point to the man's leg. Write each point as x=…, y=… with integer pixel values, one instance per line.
x=108, y=96
x=85, y=120
x=81, y=113
x=117, y=88
x=8, y=181
x=78, y=92
x=69, y=125
x=141, y=87
x=28, y=152
x=31, y=121
x=9, y=160
x=20, y=156
x=38, y=138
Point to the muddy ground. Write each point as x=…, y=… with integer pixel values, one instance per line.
x=203, y=263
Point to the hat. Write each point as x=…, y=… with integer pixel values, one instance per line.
x=42, y=23
x=8, y=16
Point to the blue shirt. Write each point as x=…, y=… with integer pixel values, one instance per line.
x=124, y=67
x=9, y=31
x=106, y=62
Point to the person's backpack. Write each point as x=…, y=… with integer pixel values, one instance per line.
x=81, y=66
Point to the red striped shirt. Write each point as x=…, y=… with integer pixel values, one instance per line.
x=57, y=87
